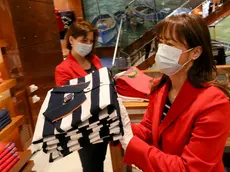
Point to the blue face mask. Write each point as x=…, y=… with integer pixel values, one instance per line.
x=167, y=59
x=83, y=49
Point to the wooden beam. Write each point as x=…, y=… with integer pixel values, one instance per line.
x=147, y=63
x=220, y=13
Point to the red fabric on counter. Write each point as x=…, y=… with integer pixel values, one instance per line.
x=133, y=83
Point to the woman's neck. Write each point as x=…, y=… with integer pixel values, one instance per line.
x=79, y=58
x=84, y=62
x=177, y=82
x=179, y=78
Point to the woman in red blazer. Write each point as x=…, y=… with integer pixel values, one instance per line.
x=81, y=38
x=187, y=122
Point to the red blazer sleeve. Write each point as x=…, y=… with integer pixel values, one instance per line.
x=61, y=76
x=144, y=130
x=203, y=151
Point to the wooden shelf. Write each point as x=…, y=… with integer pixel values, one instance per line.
x=136, y=105
x=15, y=123
x=7, y=84
x=24, y=158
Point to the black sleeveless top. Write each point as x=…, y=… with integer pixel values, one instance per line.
x=90, y=70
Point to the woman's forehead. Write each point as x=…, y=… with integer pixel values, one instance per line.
x=170, y=33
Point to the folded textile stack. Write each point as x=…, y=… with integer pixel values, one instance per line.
x=133, y=83
x=8, y=156
x=4, y=119
x=84, y=112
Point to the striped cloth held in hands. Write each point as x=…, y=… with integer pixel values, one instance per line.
x=83, y=112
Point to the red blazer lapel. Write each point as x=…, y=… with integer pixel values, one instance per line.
x=186, y=96
x=76, y=67
x=158, y=106
x=96, y=61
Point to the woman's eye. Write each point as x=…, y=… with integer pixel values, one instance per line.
x=169, y=44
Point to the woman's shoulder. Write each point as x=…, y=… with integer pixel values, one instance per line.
x=208, y=98
x=64, y=64
x=213, y=93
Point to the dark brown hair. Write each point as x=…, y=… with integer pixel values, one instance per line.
x=78, y=29
x=192, y=31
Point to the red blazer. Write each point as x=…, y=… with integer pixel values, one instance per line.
x=191, y=137
x=70, y=69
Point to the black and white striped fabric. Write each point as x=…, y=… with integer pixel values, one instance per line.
x=166, y=109
x=84, y=112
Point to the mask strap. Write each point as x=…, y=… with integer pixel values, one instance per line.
x=188, y=50
x=182, y=66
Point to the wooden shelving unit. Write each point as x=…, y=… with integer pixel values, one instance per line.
x=16, y=122
x=24, y=156
x=3, y=43
x=6, y=135
x=7, y=84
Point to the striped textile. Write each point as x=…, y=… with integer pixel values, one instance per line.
x=84, y=112
x=166, y=109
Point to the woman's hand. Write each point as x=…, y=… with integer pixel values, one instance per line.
x=128, y=134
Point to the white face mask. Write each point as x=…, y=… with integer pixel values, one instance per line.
x=167, y=59
x=83, y=49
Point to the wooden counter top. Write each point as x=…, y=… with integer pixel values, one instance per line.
x=136, y=105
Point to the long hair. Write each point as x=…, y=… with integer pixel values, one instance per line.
x=78, y=29
x=192, y=31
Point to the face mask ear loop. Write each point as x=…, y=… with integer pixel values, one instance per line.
x=182, y=67
x=187, y=50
